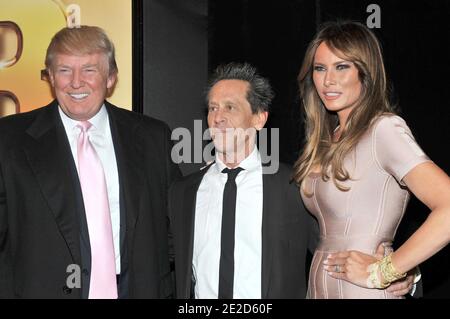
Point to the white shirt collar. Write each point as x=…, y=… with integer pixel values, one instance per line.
x=99, y=121
x=250, y=163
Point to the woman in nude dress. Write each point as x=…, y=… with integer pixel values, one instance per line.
x=357, y=168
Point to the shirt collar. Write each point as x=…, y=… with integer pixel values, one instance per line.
x=250, y=163
x=99, y=121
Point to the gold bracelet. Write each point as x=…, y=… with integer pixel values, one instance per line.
x=373, y=281
x=388, y=272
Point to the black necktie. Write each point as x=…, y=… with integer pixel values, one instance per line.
x=226, y=270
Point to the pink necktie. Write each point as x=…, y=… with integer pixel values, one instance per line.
x=93, y=185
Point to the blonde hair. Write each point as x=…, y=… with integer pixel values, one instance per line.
x=81, y=41
x=353, y=42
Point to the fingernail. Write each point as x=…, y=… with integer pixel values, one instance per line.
x=326, y=261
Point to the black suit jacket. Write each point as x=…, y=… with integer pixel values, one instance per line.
x=287, y=232
x=43, y=227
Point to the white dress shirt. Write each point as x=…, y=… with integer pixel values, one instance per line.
x=100, y=137
x=248, y=230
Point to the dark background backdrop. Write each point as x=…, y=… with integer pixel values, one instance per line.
x=177, y=44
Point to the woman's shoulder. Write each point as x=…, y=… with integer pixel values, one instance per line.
x=387, y=117
x=388, y=123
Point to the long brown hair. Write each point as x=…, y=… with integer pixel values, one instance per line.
x=353, y=42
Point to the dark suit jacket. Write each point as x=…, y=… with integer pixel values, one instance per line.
x=287, y=231
x=43, y=226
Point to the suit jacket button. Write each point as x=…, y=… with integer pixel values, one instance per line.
x=67, y=290
x=85, y=272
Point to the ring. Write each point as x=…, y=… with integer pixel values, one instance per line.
x=337, y=268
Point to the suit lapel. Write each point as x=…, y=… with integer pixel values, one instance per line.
x=268, y=223
x=51, y=160
x=189, y=203
x=131, y=179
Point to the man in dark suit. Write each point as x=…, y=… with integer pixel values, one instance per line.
x=83, y=185
x=239, y=227
x=272, y=230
